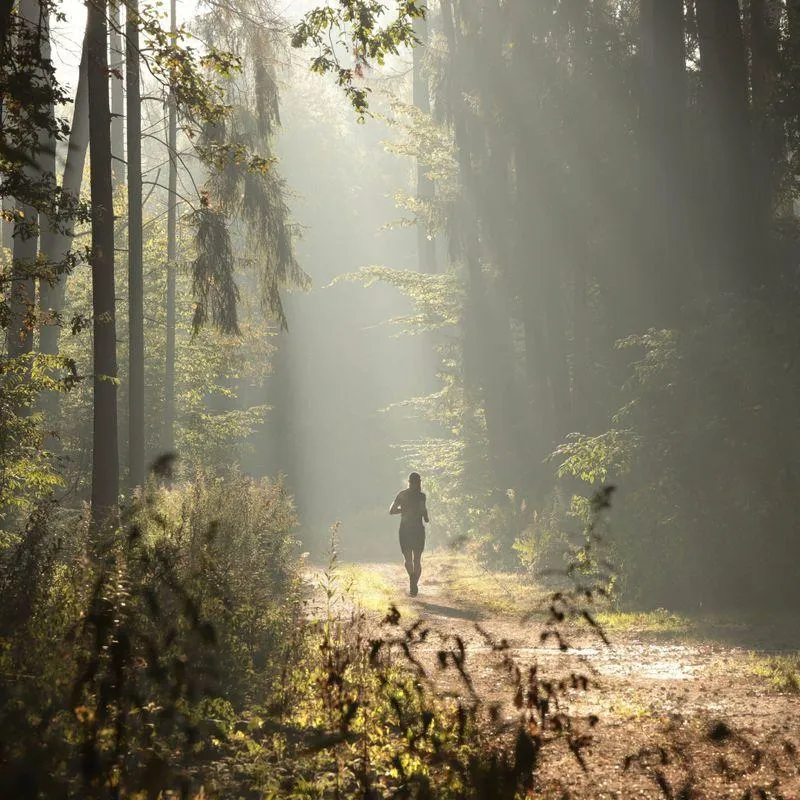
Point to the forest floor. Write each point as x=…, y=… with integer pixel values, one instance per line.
x=660, y=689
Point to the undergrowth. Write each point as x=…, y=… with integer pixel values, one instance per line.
x=171, y=658
x=782, y=672
x=658, y=621
x=467, y=581
x=375, y=593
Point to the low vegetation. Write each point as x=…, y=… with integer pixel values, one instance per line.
x=125, y=654
x=658, y=621
x=473, y=585
x=781, y=672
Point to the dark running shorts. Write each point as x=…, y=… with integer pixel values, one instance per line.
x=412, y=538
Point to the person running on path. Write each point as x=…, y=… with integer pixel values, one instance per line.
x=410, y=504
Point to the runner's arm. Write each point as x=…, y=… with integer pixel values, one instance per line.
x=425, y=510
x=395, y=507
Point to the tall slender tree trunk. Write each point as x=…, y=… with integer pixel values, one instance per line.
x=486, y=340
x=117, y=65
x=57, y=242
x=6, y=14
x=26, y=226
x=736, y=235
x=544, y=248
x=136, y=433
x=583, y=399
x=48, y=226
x=105, y=461
x=769, y=149
x=172, y=254
x=426, y=245
x=662, y=112
x=6, y=24
x=7, y=233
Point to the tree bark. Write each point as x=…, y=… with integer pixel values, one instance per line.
x=136, y=429
x=172, y=254
x=735, y=234
x=426, y=245
x=26, y=226
x=769, y=148
x=48, y=227
x=479, y=388
x=105, y=461
x=662, y=111
x=543, y=216
x=117, y=65
x=6, y=19
x=57, y=243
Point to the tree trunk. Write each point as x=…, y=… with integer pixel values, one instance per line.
x=57, y=240
x=172, y=254
x=136, y=430
x=105, y=461
x=56, y=244
x=485, y=378
x=768, y=140
x=735, y=234
x=47, y=229
x=6, y=19
x=22, y=290
x=7, y=233
x=426, y=245
x=662, y=111
x=6, y=13
x=117, y=65
x=544, y=241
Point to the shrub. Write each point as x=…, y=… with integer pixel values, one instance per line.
x=127, y=655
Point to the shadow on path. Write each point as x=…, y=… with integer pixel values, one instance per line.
x=447, y=611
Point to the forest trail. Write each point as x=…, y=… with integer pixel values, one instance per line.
x=649, y=689
x=640, y=674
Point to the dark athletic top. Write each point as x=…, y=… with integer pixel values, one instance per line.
x=412, y=508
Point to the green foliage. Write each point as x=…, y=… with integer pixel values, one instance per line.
x=594, y=458
x=659, y=621
x=432, y=146
x=30, y=92
x=235, y=535
x=244, y=221
x=213, y=375
x=356, y=27
x=781, y=671
x=29, y=473
x=437, y=299
x=542, y=544
x=213, y=285
x=126, y=658
x=190, y=75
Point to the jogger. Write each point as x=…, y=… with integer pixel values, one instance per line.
x=410, y=504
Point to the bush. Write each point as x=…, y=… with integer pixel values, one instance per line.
x=127, y=655
x=543, y=545
x=231, y=537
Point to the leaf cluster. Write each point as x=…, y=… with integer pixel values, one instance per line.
x=357, y=28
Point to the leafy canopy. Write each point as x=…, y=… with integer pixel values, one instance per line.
x=356, y=27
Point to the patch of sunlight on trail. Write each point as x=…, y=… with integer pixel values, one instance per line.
x=658, y=621
x=464, y=580
x=658, y=662
x=371, y=590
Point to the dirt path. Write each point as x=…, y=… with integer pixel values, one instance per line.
x=648, y=691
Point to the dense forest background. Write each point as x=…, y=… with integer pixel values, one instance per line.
x=588, y=206
x=606, y=200
x=258, y=263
